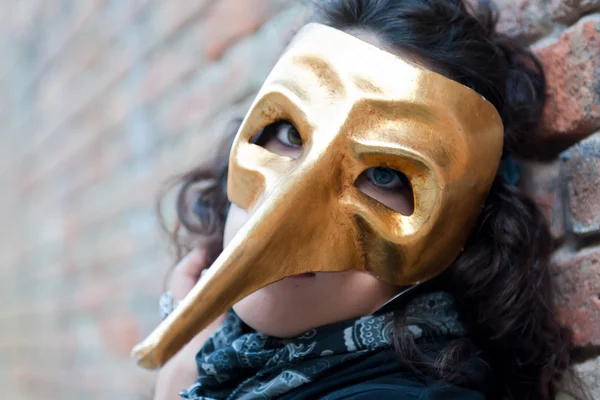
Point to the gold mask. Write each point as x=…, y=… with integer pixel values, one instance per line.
x=356, y=107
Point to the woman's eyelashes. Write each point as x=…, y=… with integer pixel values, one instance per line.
x=281, y=138
x=389, y=187
x=386, y=178
x=288, y=135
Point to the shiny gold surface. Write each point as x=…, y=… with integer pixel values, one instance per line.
x=356, y=107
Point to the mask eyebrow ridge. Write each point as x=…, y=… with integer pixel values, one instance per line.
x=326, y=75
x=295, y=88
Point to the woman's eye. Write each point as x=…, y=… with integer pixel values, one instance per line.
x=289, y=135
x=281, y=138
x=385, y=177
x=389, y=187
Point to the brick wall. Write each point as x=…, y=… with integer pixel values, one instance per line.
x=101, y=100
x=565, y=178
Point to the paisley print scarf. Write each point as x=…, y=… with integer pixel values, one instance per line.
x=239, y=363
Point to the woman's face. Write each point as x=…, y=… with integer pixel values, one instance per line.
x=299, y=303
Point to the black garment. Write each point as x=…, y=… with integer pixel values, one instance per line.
x=379, y=376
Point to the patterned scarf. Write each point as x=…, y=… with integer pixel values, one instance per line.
x=239, y=363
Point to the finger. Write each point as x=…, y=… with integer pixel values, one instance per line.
x=186, y=273
x=192, y=264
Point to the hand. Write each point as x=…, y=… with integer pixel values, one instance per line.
x=180, y=372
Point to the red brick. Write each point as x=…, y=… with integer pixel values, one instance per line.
x=228, y=21
x=42, y=383
x=525, y=20
x=581, y=178
x=111, y=199
x=236, y=76
x=83, y=12
x=56, y=40
x=119, y=333
x=50, y=89
x=193, y=147
x=58, y=157
x=115, y=16
x=107, y=112
x=168, y=66
x=218, y=86
x=93, y=295
x=23, y=16
x=572, y=66
x=578, y=298
x=569, y=11
x=85, y=51
x=88, y=89
x=530, y=20
x=86, y=104
x=171, y=16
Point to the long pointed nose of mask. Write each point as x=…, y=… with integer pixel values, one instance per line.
x=258, y=255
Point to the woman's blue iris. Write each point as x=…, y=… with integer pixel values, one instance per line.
x=383, y=176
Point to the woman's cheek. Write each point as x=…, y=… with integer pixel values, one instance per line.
x=236, y=218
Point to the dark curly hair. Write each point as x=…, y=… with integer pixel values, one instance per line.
x=502, y=280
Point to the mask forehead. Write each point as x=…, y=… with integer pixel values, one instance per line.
x=343, y=86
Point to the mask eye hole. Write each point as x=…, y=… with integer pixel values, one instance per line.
x=389, y=187
x=281, y=138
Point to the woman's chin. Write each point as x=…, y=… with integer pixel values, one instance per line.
x=302, y=302
x=282, y=309
x=275, y=323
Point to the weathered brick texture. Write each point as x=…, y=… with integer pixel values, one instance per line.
x=579, y=297
x=102, y=100
x=572, y=66
x=580, y=166
x=566, y=37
